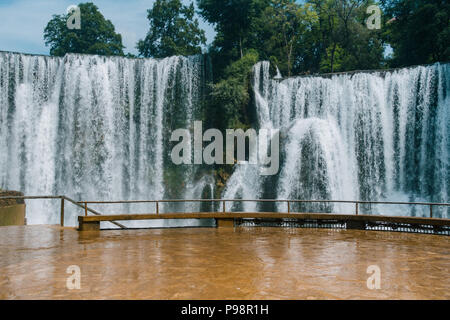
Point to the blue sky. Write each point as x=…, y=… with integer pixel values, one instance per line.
x=22, y=22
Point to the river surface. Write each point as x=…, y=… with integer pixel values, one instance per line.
x=208, y=263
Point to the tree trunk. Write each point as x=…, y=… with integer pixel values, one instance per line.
x=289, y=60
x=332, y=58
x=240, y=46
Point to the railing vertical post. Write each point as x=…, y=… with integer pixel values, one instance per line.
x=289, y=207
x=357, y=208
x=62, y=211
x=431, y=211
x=157, y=207
x=224, y=207
x=85, y=209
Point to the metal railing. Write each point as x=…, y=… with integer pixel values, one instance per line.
x=84, y=204
x=288, y=203
x=62, y=212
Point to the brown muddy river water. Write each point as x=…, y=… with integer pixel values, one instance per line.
x=209, y=263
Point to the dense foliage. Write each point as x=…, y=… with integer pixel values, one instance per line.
x=96, y=36
x=419, y=31
x=317, y=36
x=173, y=31
x=231, y=94
x=298, y=37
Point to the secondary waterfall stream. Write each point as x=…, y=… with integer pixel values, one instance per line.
x=98, y=128
x=378, y=136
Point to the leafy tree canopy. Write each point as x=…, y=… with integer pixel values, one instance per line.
x=281, y=30
x=233, y=20
x=418, y=31
x=316, y=36
x=173, y=31
x=340, y=39
x=96, y=36
x=230, y=96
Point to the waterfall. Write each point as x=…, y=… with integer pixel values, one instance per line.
x=98, y=128
x=95, y=128
x=362, y=136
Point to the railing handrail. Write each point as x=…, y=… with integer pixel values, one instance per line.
x=266, y=200
x=30, y=197
x=157, y=202
x=63, y=198
x=221, y=200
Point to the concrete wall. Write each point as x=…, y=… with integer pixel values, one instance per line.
x=12, y=215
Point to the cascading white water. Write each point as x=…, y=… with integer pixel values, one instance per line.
x=98, y=128
x=330, y=163
x=367, y=136
x=94, y=127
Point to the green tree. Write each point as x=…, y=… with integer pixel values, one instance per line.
x=173, y=31
x=333, y=60
x=230, y=96
x=96, y=36
x=281, y=29
x=418, y=31
x=233, y=20
x=342, y=41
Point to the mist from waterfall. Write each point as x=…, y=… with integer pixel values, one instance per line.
x=95, y=128
x=363, y=136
